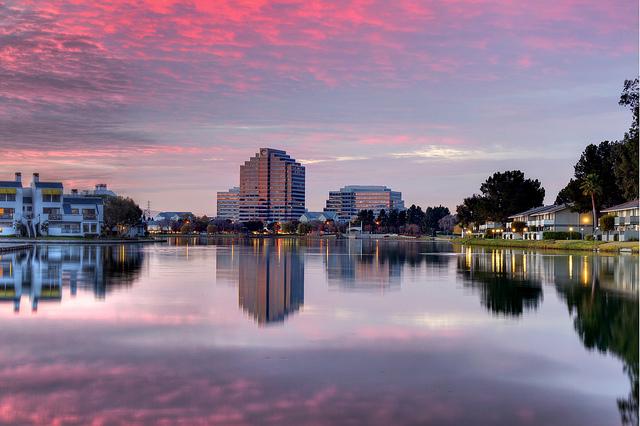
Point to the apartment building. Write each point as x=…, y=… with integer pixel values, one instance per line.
x=626, y=226
x=43, y=209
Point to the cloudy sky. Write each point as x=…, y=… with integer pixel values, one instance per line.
x=163, y=100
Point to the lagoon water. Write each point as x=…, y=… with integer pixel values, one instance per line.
x=284, y=331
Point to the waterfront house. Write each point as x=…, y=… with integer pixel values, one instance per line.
x=511, y=233
x=626, y=225
x=557, y=218
x=43, y=209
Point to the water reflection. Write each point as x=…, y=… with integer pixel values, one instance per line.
x=42, y=272
x=504, y=279
x=601, y=292
x=269, y=274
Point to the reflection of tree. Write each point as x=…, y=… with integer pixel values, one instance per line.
x=608, y=322
x=122, y=264
x=503, y=291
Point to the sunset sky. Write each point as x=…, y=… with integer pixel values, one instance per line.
x=163, y=100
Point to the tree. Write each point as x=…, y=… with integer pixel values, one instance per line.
x=626, y=167
x=382, y=220
x=510, y=192
x=304, y=228
x=211, y=228
x=607, y=222
x=432, y=216
x=590, y=187
x=473, y=210
x=186, y=228
x=120, y=212
x=254, y=225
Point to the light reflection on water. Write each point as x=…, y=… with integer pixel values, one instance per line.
x=269, y=331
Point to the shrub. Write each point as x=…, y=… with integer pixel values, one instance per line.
x=589, y=238
x=518, y=226
x=186, y=228
x=607, y=222
x=550, y=235
x=211, y=228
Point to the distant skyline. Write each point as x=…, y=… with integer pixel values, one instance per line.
x=164, y=100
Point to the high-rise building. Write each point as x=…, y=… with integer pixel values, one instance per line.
x=349, y=200
x=228, y=204
x=271, y=187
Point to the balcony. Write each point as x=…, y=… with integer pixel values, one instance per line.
x=54, y=217
x=6, y=216
x=89, y=216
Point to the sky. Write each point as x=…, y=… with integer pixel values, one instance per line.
x=163, y=100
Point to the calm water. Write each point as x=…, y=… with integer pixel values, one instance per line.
x=290, y=332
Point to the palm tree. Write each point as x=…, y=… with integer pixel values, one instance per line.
x=590, y=186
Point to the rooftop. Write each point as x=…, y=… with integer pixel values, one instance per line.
x=633, y=204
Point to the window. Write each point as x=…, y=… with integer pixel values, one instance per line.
x=4, y=212
x=7, y=197
x=50, y=198
x=50, y=210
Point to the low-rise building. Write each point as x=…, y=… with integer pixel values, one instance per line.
x=172, y=216
x=351, y=199
x=626, y=226
x=44, y=209
x=557, y=218
x=228, y=204
x=318, y=216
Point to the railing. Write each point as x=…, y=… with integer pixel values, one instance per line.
x=6, y=216
x=89, y=216
x=55, y=216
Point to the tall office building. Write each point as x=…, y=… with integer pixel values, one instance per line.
x=227, y=203
x=271, y=187
x=348, y=201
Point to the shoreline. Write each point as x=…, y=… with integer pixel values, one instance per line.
x=577, y=245
x=28, y=242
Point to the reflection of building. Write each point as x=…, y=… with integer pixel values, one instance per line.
x=511, y=279
x=349, y=200
x=44, y=271
x=227, y=203
x=367, y=265
x=272, y=187
x=227, y=264
x=271, y=281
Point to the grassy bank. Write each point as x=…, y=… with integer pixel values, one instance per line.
x=552, y=244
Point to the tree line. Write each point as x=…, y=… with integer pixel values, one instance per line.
x=605, y=175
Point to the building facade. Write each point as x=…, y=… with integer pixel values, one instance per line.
x=626, y=226
x=272, y=187
x=43, y=209
x=227, y=204
x=349, y=200
x=553, y=218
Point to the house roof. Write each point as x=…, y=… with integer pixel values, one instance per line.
x=529, y=212
x=82, y=200
x=624, y=206
x=312, y=215
x=550, y=209
x=10, y=184
x=48, y=184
